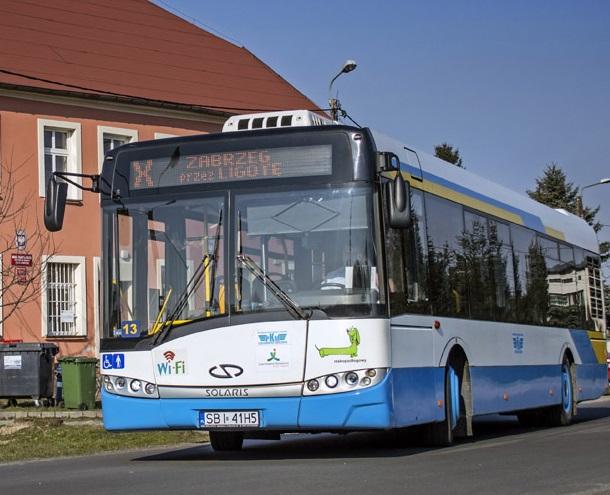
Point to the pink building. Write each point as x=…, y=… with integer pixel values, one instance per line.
x=77, y=79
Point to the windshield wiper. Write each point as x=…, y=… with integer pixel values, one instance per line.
x=293, y=308
x=209, y=260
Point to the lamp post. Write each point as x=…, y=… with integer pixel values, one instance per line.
x=333, y=103
x=579, y=207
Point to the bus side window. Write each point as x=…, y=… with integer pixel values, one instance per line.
x=406, y=262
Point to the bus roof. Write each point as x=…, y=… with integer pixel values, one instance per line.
x=462, y=186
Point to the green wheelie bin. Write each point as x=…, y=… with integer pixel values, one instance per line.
x=79, y=387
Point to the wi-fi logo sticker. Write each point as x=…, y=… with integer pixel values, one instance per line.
x=169, y=355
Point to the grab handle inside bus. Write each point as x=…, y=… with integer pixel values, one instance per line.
x=55, y=204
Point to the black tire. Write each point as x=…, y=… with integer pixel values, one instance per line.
x=441, y=434
x=223, y=441
x=563, y=413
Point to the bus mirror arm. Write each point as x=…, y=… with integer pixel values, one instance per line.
x=57, y=195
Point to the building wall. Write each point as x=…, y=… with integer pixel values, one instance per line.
x=19, y=129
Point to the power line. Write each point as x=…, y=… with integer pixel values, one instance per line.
x=161, y=102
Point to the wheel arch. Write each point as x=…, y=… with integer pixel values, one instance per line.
x=456, y=352
x=454, y=345
x=571, y=354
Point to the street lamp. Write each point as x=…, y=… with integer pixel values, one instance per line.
x=579, y=207
x=333, y=103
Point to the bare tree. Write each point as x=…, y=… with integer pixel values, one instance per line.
x=19, y=212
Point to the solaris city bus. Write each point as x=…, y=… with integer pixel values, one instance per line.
x=295, y=275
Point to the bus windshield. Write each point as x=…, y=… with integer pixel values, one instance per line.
x=164, y=256
x=317, y=245
x=298, y=250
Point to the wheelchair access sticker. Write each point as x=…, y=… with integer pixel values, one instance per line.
x=113, y=361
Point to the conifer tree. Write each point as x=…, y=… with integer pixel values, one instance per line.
x=553, y=189
x=446, y=152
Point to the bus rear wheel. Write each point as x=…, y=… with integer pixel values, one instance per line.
x=223, y=441
x=560, y=415
x=563, y=413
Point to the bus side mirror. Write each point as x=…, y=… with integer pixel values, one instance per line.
x=55, y=204
x=399, y=201
x=398, y=192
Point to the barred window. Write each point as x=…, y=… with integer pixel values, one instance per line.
x=64, y=299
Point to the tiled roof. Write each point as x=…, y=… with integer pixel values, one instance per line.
x=135, y=49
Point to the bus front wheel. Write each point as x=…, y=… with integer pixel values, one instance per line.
x=223, y=441
x=441, y=434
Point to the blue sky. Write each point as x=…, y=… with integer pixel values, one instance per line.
x=514, y=85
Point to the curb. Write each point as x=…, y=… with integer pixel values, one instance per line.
x=16, y=415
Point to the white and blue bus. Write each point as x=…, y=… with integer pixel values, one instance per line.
x=295, y=275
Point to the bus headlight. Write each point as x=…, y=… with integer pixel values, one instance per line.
x=351, y=378
x=331, y=381
x=313, y=385
x=130, y=387
x=347, y=381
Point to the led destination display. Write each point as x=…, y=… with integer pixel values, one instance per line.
x=231, y=166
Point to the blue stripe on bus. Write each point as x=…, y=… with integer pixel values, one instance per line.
x=369, y=408
x=523, y=386
x=407, y=396
x=529, y=220
x=591, y=380
x=416, y=392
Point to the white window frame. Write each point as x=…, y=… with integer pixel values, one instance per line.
x=97, y=322
x=74, y=162
x=131, y=134
x=163, y=135
x=80, y=278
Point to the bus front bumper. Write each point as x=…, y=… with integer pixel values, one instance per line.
x=363, y=409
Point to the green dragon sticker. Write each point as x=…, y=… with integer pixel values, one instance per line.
x=351, y=350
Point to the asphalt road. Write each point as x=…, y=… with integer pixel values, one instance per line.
x=504, y=459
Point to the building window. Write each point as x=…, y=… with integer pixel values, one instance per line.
x=59, y=151
x=63, y=297
x=109, y=138
x=112, y=141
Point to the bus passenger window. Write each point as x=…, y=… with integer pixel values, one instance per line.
x=406, y=252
